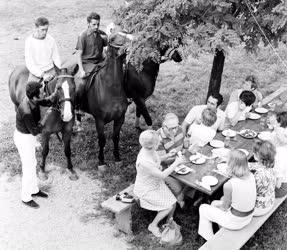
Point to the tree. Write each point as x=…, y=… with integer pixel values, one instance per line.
x=213, y=26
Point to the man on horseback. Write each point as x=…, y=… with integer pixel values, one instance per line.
x=89, y=48
x=27, y=127
x=41, y=53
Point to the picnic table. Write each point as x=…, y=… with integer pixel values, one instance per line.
x=209, y=167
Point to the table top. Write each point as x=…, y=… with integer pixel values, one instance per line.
x=210, y=165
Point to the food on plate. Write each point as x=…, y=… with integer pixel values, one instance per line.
x=248, y=133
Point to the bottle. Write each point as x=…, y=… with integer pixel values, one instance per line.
x=227, y=142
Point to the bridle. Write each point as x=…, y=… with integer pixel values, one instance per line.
x=59, y=101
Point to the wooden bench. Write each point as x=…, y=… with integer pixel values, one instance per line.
x=226, y=239
x=121, y=210
x=273, y=95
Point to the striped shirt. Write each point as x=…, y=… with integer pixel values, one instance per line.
x=166, y=144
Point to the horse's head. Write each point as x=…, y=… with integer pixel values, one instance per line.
x=118, y=43
x=65, y=95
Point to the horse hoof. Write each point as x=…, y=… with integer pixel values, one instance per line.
x=119, y=163
x=102, y=168
x=73, y=177
x=43, y=176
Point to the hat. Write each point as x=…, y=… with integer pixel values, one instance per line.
x=170, y=120
x=148, y=138
x=32, y=89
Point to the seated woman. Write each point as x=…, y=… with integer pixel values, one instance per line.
x=149, y=186
x=201, y=134
x=264, y=153
x=235, y=209
x=250, y=84
x=239, y=110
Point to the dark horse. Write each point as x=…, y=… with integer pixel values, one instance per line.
x=140, y=85
x=105, y=98
x=61, y=118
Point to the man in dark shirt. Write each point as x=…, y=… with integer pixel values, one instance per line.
x=27, y=127
x=89, y=48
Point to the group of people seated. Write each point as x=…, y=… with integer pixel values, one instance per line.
x=252, y=187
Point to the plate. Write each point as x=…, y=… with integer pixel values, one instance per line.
x=261, y=110
x=182, y=169
x=254, y=116
x=217, y=144
x=265, y=136
x=209, y=180
x=244, y=151
x=248, y=133
x=229, y=132
x=197, y=158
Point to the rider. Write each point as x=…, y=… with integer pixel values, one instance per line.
x=89, y=48
x=41, y=53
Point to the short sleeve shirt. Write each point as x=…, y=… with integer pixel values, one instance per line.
x=92, y=44
x=194, y=116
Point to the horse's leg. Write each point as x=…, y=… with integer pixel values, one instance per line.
x=45, y=151
x=66, y=135
x=140, y=102
x=116, y=136
x=138, y=115
x=101, y=140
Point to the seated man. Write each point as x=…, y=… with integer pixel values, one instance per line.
x=239, y=110
x=203, y=133
x=89, y=48
x=171, y=142
x=250, y=84
x=194, y=115
x=41, y=53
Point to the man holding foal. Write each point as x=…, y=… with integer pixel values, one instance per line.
x=41, y=53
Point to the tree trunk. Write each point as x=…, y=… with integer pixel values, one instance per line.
x=216, y=72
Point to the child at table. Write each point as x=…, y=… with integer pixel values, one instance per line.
x=203, y=133
x=149, y=186
x=265, y=178
x=235, y=209
x=239, y=110
x=251, y=84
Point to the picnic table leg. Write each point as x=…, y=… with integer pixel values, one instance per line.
x=123, y=220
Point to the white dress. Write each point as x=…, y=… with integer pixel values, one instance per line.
x=152, y=192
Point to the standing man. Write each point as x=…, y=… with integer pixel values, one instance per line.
x=41, y=53
x=27, y=127
x=195, y=114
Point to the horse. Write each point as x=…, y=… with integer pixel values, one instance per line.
x=140, y=85
x=61, y=117
x=105, y=98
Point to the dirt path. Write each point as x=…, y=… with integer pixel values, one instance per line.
x=68, y=219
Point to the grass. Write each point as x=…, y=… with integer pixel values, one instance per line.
x=179, y=87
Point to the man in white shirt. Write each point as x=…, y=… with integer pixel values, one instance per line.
x=194, y=115
x=41, y=53
x=239, y=110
